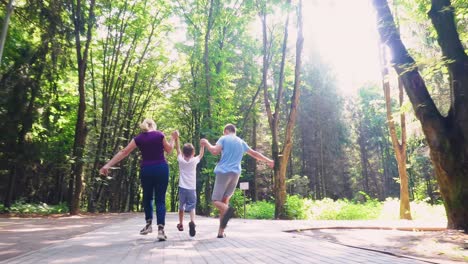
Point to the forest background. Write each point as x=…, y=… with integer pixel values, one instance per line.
x=77, y=77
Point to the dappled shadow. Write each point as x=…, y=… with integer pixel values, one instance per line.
x=22, y=235
x=435, y=246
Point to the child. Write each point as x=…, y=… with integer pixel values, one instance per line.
x=187, y=183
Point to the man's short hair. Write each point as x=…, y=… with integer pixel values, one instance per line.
x=230, y=127
x=188, y=150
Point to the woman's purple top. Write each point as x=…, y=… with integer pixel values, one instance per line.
x=151, y=147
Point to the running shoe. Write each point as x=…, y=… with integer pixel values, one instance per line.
x=192, y=230
x=161, y=235
x=180, y=227
x=146, y=230
x=229, y=213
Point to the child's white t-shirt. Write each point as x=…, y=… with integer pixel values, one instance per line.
x=188, y=172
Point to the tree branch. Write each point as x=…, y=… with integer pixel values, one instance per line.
x=423, y=105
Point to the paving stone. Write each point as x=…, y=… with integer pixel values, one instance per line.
x=247, y=241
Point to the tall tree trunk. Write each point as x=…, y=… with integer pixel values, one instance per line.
x=254, y=161
x=400, y=148
x=281, y=158
x=273, y=118
x=321, y=168
x=206, y=61
x=363, y=158
x=80, y=128
x=6, y=22
x=385, y=169
x=446, y=136
x=429, y=188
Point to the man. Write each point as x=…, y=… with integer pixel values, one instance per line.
x=228, y=169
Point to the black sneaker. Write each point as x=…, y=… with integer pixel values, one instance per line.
x=146, y=230
x=229, y=213
x=192, y=230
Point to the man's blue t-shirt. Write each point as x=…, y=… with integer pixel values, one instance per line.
x=231, y=155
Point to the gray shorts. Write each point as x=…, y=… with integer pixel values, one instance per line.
x=224, y=186
x=187, y=199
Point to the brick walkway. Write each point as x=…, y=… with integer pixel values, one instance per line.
x=247, y=241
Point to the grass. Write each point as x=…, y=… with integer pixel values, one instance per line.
x=343, y=209
x=23, y=208
x=296, y=208
x=419, y=211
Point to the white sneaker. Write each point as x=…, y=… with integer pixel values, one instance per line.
x=161, y=235
x=146, y=230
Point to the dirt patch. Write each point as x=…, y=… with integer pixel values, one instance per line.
x=447, y=246
x=22, y=234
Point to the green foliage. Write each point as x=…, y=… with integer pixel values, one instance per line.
x=139, y=68
x=237, y=201
x=298, y=185
x=260, y=210
x=295, y=207
x=21, y=207
x=327, y=209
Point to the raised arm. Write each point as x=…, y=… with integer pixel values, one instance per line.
x=177, y=141
x=215, y=150
x=259, y=156
x=202, y=152
x=118, y=157
x=169, y=146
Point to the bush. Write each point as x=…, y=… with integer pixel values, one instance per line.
x=21, y=207
x=295, y=207
x=260, y=210
x=237, y=202
x=327, y=209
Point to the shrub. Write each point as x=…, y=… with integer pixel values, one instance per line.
x=295, y=207
x=237, y=202
x=41, y=208
x=260, y=210
x=327, y=209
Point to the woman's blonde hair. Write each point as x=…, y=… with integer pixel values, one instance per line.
x=148, y=124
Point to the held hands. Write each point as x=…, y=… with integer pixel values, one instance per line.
x=175, y=134
x=204, y=142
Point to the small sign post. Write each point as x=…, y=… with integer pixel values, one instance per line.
x=244, y=186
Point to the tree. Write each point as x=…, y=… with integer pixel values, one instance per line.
x=322, y=134
x=6, y=21
x=80, y=23
x=400, y=148
x=34, y=144
x=281, y=155
x=213, y=81
x=446, y=135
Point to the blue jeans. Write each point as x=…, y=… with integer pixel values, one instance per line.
x=154, y=179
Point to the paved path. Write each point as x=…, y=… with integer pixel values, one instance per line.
x=247, y=241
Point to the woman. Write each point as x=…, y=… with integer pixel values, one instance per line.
x=154, y=173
